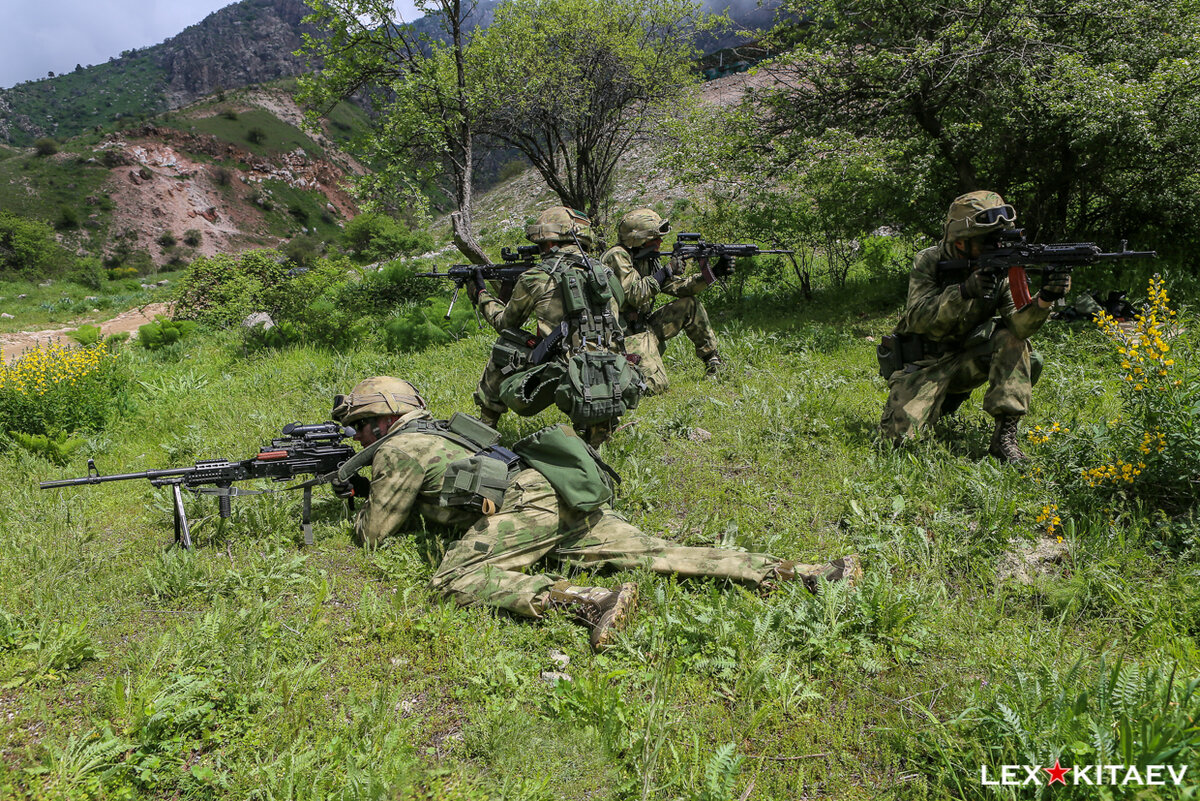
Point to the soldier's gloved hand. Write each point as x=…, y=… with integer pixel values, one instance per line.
x=677, y=265
x=663, y=274
x=724, y=267
x=356, y=487
x=1055, y=285
x=980, y=284
x=475, y=285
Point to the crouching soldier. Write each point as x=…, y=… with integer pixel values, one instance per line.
x=643, y=276
x=546, y=501
x=960, y=331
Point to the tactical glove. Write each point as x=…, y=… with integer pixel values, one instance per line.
x=662, y=275
x=475, y=285
x=980, y=284
x=1055, y=285
x=724, y=267
x=357, y=487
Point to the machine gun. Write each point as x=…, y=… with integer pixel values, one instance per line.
x=316, y=449
x=1009, y=252
x=516, y=262
x=692, y=246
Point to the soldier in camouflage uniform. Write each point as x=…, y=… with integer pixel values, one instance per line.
x=643, y=277
x=531, y=524
x=563, y=234
x=956, y=335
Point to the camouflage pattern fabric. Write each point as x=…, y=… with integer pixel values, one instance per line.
x=939, y=313
x=535, y=295
x=488, y=564
x=685, y=314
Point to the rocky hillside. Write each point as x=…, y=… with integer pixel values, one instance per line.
x=243, y=44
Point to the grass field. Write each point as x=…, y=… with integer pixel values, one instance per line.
x=256, y=668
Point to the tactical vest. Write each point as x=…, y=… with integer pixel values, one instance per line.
x=475, y=482
x=587, y=289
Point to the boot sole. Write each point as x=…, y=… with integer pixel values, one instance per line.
x=618, y=617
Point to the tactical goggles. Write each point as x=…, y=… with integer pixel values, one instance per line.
x=992, y=216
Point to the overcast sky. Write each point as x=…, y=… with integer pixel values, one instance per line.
x=41, y=36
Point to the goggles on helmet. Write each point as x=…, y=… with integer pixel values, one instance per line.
x=989, y=217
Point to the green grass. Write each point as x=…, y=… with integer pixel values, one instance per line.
x=255, y=667
x=41, y=186
x=277, y=135
x=63, y=301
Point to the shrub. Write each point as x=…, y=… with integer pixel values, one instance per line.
x=223, y=290
x=87, y=335
x=256, y=136
x=56, y=447
x=57, y=388
x=192, y=237
x=375, y=237
x=167, y=240
x=67, y=220
x=45, y=146
x=163, y=332
x=229, y=114
x=222, y=176
x=88, y=271
x=27, y=247
x=421, y=326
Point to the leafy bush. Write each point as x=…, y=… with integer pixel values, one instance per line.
x=58, y=388
x=89, y=272
x=419, y=327
x=68, y=219
x=27, y=247
x=163, y=332
x=45, y=146
x=192, y=237
x=1149, y=453
x=223, y=290
x=376, y=237
x=166, y=240
x=56, y=447
x=87, y=335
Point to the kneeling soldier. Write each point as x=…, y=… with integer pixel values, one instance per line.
x=550, y=502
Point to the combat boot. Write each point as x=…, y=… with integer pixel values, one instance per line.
x=1004, y=440
x=603, y=611
x=713, y=365
x=847, y=568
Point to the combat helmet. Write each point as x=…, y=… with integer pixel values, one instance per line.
x=976, y=213
x=640, y=226
x=377, y=397
x=561, y=225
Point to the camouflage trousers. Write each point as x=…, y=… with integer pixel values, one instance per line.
x=915, y=398
x=685, y=314
x=487, y=565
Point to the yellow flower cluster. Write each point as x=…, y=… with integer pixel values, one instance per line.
x=45, y=368
x=1116, y=472
x=1041, y=434
x=1143, y=351
x=1154, y=440
x=1050, y=519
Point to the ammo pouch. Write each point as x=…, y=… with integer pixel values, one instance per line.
x=888, y=354
x=479, y=482
x=511, y=351
x=598, y=387
x=572, y=467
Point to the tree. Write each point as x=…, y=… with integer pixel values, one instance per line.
x=573, y=84
x=1085, y=114
x=425, y=120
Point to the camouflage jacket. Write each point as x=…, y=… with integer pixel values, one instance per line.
x=406, y=477
x=937, y=311
x=537, y=295
x=636, y=277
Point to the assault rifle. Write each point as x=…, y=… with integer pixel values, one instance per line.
x=516, y=262
x=316, y=449
x=1008, y=252
x=692, y=246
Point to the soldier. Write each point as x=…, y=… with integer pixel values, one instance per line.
x=956, y=334
x=512, y=515
x=643, y=276
x=576, y=302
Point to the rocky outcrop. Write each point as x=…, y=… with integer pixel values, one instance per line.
x=247, y=43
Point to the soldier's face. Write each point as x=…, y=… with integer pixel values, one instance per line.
x=971, y=248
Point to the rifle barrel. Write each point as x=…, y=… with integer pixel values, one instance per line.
x=148, y=474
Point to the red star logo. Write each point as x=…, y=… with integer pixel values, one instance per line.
x=1057, y=773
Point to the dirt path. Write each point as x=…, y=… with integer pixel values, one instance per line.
x=18, y=342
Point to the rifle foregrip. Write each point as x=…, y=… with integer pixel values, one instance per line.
x=1018, y=286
